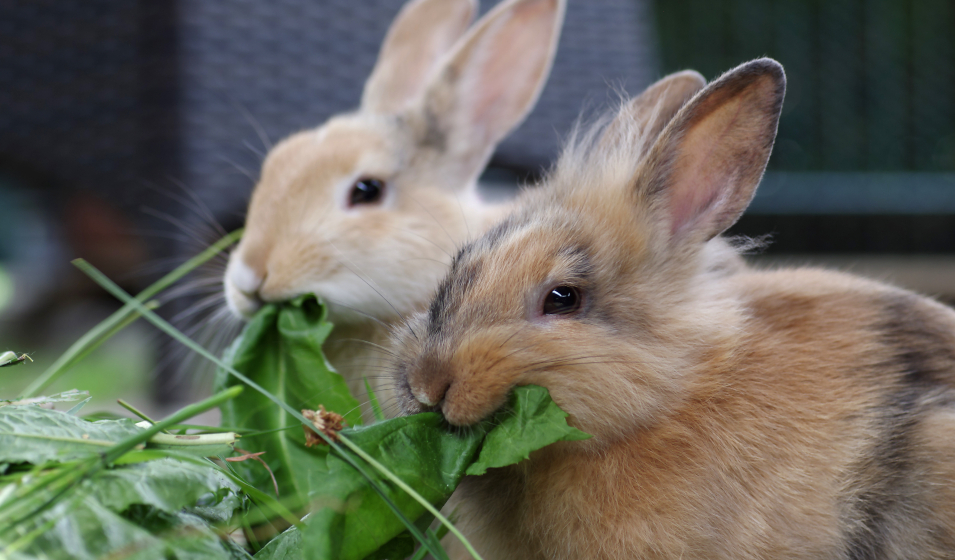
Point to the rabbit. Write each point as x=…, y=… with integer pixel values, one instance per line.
x=364, y=210
x=764, y=414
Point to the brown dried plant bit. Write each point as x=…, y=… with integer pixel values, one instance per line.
x=326, y=422
x=246, y=455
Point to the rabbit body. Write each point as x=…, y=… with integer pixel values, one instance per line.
x=822, y=426
x=795, y=413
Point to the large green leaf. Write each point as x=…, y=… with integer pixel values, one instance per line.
x=427, y=455
x=419, y=449
x=166, y=485
x=34, y=435
x=147, y=504
x=531, y=421
x=80, y=527
x=151, y=509
x=280, y=349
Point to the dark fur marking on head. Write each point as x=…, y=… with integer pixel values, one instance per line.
x=464, y=272
x=493, y=237
x=922, y=357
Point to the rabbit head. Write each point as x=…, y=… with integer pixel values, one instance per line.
x=599, y=285
x=365, y=210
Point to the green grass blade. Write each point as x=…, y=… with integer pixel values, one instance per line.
x=125, y=315
x=375, y=407
x=164, y=326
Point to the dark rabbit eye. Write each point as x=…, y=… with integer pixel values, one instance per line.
x=562, y=300
x=366, y=191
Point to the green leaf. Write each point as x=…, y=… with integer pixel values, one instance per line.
x=530, y=422
x=432, y=459
x=281, y=350
x=83, y=528
x=35, y=435
x=151, y=509
x=164, y=484
x=66, y=396
x=375, y=406
x=419, y=449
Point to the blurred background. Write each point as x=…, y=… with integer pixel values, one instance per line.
x=131, y=134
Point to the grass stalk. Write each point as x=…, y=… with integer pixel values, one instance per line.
x=137, y=412
x=123, y=317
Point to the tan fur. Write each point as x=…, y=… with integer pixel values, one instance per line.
x=422, y=129
x=784, y=414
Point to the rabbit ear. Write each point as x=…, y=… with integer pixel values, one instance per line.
x=492, y=80
x=648, y=113
x=423, y=32
x=703, y=170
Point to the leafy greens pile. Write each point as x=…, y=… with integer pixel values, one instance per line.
x=88, y=488
x=73, y=488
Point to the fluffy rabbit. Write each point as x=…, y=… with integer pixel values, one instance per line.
x=788, y=414
x=365, y=210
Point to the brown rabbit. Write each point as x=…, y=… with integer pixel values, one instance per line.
x=365, y=210
x=784, y=414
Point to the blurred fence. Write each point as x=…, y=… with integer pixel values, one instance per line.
x=871, y=83
x=865, y=157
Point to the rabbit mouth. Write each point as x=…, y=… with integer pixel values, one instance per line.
x=243, y=305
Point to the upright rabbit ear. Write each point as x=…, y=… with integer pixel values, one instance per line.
x=492, y=80
x=423, y=32
x=648, y=113
x=702, y=172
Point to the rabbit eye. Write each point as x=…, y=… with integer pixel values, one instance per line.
x=366, y=191
x=562, y=300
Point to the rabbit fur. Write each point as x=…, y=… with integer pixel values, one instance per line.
x=436, y=104
x=793, y=413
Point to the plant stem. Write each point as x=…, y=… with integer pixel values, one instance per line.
x=184, y=413
x=137, y=412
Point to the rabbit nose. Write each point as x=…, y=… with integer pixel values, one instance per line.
x=432, y=395
x=242, y=289
x=244, y=278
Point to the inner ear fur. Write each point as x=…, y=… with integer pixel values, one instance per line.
x=703, y=171
x=423, y=33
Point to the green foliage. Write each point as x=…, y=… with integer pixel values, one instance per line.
x=281, y=350
x=531, y=421
x=35, y=435
x=418, y=449
x=74, y=488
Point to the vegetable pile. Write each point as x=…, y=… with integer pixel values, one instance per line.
x=72, y=487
